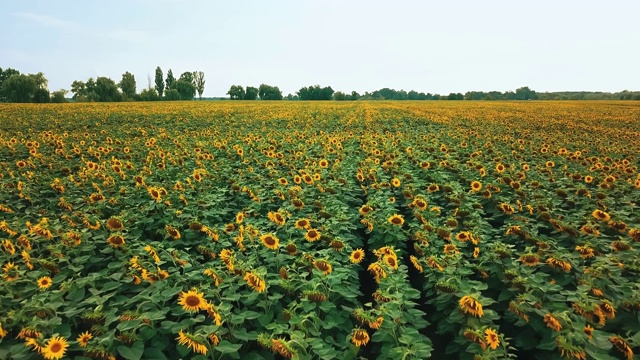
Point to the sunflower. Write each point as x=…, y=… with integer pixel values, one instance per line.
x=463, y=236
x=530, y=259
x=506, y=208
x=391, y=261
x=213, y=339
x=476, y=252
x=297, y=179
x=622, y=346
x=470, y=305
x=433, y=188
x=492, y=338
x=323, y=266
x=359, y=337
x=500, y=168
x=588, y=330
x=276, y=218
x=415, y=263
x=421, y=204
x=376, y=270
x=302, y=224
x=44, y=282
x=601, y=215
x=255, y=282
x=84, y=338
x=356, y=256
x=396, y=219
x=116, y=240
x=312, y=235
x=396, y=182
x=155, y=193
x=270, y=241
x=173, y=232
x=55, y=348
x=190, y=341
x=192, y=300
x=476, y=185
x=283, y=181
x=365, y=209
x=552, y=322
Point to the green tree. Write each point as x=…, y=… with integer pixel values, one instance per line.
x=106, y=90
x=267, y=92
x=41, y=96
x=149, y=94
x=4, y=76
x=59, y=96
x=185, y=88
x=79, y=90
x=340, y=96
x=236, y=92
x=188, y=77
x=19, y=88
x=159, y=81
x=251, y=93
x=169, y=81
x=198, y=77
x=171, y=95
x=128, y=85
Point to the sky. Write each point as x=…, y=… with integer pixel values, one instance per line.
x=427, y=46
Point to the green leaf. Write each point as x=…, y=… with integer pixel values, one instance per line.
x=134, y=352
x=226, y=347
x=154, y=353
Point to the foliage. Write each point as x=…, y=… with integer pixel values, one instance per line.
x=315, y=92
x=128, y=85
x=267, y=92
x=172, y=95
x=59, y=96
x=170, y=80
x=236, y=92
x=185, y=88
x=159, y=81
x=251, y=93
x=198, y=78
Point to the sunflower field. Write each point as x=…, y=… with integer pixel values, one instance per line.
x=301, y=230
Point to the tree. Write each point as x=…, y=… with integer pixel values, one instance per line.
x=524, y=93
x=171, y=95
x=19, y=88
x=79, y=90
x=41, y=81
x=59, y=96
x=355, y=95
x=159, y=81
x=128, y=85
x=267, y=92
x=188, y=77
x=106, y=90
x=198, y=77
x=236, y=92
x=149, y=94
x=170, y=80
x=315, y=92
x=4, y=76
x=251, y=93
x=185, y=88
x=340, y=96
x=41, y=96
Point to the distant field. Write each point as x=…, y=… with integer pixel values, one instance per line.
x=320, y=230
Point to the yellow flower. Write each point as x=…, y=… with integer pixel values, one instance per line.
x=356, y=256
x=84, y=338
x=359, y=337
x=471, y=305
x=270, y=241
x=492, y=338
x=255, y=282
x=396, y=219
x=192, y=300
x=55, y=348
x=44, y=282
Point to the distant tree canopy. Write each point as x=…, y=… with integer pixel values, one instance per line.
x=23, y=88
x=267, y=92
x=236, y=92
x=17, y=87
x=315, y=92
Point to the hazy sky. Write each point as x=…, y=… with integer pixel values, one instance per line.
x=429, y=46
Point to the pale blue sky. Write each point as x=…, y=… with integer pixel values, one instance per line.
x=429, y=46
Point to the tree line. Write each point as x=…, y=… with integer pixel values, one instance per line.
x=20, y=88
